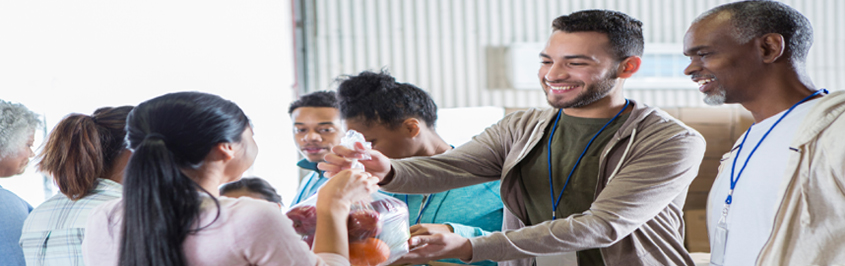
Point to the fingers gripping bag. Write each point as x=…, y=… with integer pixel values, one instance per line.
x=378, y=229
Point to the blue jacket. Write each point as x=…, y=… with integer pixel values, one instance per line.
x=13, y=212
x=311, y=183
x=472, y=211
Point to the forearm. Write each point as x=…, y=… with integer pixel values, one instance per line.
x=332, y=235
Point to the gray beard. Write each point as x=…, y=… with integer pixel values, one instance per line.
x=715, y=98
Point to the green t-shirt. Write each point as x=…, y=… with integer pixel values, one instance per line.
x=570, y=139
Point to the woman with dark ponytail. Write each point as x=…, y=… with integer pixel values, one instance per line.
x=185, y=146
x=85, y=155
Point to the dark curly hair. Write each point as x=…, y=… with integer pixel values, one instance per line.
x=377, y=97
x=314, y=99
x=254, y=185
x=756, y=18
x=624, y=32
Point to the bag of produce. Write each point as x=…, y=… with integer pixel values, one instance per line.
x=378, y=229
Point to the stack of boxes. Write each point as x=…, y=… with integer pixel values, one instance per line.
x=721, y=127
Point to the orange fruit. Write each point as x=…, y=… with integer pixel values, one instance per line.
x=369, y=252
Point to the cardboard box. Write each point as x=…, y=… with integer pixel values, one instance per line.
x=718, y=138
x=707, y=172
x=707, y=115
x=696, y=238
x=696, y=200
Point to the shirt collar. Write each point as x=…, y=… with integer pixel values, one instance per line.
x=306, y=164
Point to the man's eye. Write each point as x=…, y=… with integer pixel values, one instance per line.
x=545, y=62
x=327, y=130
x=578, y=64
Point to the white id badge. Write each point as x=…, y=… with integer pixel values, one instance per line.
x=720, y=240
x=563, y=259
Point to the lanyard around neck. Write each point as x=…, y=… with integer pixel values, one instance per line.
x=741, y=144
x=551, y=136
x=425, y=202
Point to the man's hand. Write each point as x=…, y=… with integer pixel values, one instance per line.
x=435, y=247
x=430, y=229
x=341, y=159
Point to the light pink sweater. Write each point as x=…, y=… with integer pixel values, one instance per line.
x=248, y=232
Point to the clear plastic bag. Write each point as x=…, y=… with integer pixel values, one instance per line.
x=378, y=229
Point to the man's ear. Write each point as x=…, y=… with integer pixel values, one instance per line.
x=224, y=151
x=629, y=66
x=771, y=46
x=411, y=127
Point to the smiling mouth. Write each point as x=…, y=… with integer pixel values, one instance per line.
x=561, y=88
x=703, y=82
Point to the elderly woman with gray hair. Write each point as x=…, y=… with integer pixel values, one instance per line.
x=17, y=132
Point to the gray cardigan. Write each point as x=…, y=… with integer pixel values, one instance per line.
x=636, y=218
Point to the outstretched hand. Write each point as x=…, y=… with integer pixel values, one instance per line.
x=426, y=248
x=341, y=159
x=430, y=229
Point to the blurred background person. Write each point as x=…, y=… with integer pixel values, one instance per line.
x=316, y=129
x=399, y=120
x=252, y=187
x=185, y=146
x=17, y=134
x=86, y=156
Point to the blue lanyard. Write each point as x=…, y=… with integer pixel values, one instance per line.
x=741, y=144
x=425, y=205
x=551, y=136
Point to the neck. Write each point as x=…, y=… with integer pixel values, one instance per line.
x=208, y=178
x=116, y=173
x=775, y=97
x=433, y=144
x=606, y=107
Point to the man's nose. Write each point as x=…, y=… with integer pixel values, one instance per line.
x=557, y=72
x=312, y=136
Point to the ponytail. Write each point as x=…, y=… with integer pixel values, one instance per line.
x=83, y=148
x=160, y=207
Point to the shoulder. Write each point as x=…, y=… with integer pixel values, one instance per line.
x=248, y=211
x=528, y=116
x=14, y=203
x=656, y=123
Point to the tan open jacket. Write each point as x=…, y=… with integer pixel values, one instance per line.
x=809, y=226
x=636, y=218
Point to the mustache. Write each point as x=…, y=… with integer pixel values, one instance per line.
x=699, y=76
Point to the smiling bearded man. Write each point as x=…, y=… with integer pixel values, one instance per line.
x=596, y=180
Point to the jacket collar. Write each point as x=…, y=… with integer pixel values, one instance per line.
x=826, y=111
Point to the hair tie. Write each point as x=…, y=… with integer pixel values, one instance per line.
x=154, y=136
x=93, y=118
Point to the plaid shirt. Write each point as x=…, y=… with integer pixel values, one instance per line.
x=53, y=232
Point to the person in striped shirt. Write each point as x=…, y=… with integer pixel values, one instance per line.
x=86, y=156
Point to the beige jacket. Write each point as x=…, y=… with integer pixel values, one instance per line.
x=636, y=218
x=809, y=226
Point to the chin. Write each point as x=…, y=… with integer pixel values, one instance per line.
x=315, y=159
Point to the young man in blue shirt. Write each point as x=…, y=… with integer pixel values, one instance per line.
x=317, y=128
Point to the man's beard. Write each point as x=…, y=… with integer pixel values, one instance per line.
x=590, y=94
x=717, y=97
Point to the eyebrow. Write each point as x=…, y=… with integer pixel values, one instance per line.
x=694, y=49
x=319, y=124
x=570, y=57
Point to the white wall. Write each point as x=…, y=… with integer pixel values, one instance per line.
x=457, y=50
x=58, y=57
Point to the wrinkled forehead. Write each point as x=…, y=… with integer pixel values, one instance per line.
x=716, y=28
